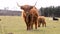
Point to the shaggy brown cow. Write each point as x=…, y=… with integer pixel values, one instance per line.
x=41, y=20
x=30, y=15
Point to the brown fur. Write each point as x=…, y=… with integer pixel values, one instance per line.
x=30, y=15
x=41, y=20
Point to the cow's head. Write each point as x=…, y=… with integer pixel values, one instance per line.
x=26, y=8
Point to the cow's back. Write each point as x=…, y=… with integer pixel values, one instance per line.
x=34, y=13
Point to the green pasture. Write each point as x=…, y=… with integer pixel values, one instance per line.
x=16, y=25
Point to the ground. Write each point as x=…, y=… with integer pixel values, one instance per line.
x=16, y=25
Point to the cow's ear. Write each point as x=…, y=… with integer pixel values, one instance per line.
x=22, y=7
x=31, y=7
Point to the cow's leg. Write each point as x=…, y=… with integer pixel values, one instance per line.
x=36, y=25
x=31, y=22
x=45, y=24
x=42, y=24
x=31, y=25
x=39, y=24
x=28, y=27
x=26, y=24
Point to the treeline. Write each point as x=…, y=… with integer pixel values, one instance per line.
x=50, y=11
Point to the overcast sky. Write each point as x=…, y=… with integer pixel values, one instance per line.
x=12, y=4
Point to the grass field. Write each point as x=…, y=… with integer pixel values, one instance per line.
x=16, y=25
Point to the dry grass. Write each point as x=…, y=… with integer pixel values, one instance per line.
x=16, y=25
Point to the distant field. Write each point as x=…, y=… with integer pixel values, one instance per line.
x=16, y=25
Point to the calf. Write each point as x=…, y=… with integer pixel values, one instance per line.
x=41, y=20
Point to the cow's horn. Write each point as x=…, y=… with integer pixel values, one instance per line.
x=18, y=5
x=35, y=3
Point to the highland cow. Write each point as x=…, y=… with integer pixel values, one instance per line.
x=30, y=15
x=41, y=20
